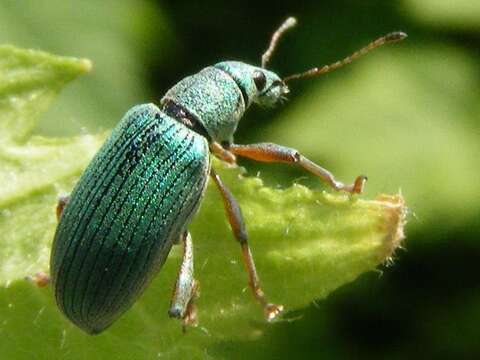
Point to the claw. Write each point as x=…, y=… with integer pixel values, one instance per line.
x=359, y=184
x=272, y=311
x=40, y=279
x=190, y=318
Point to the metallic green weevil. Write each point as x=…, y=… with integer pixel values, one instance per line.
x=141, y=190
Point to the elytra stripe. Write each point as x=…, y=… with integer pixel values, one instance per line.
x=93, y=235
x=141, y=284
x=173, y=161
x=119, y=301
x=86, y=188
x=75, y=239
x=125, y=193
x=85, y=205
x=142, y=246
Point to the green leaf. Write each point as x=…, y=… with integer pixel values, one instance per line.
x=33, y=169
x=120, y=37
x=29, y=81
x=401, y=118
x=457, y=15
x=306, y=244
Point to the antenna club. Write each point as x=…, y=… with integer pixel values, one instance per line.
x=291, y=21
x=286, y=25
x=395, y=36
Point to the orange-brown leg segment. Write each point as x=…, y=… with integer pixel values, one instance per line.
x=222, y=153
x=62, y=202
x=42, y=279
x=237, y=224
x=268, y=152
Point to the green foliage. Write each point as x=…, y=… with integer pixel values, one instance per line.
x=28, y=83
x=120, y=37
x=306, y=243
x=415, y=138
x=33, y=169
x=459, y=14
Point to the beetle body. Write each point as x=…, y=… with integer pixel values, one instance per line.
x=141, y=190
x=138, y=195
x=130, y=205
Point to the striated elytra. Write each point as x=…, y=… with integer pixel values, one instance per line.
x=141, y=190
x=119, y=225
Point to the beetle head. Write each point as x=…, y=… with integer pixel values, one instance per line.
x=269, y=88
x=258, y=85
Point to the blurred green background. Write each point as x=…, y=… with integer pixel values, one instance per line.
x=406, y=115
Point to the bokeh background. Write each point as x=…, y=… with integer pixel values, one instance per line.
x=406, y=115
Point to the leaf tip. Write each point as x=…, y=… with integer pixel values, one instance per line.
x=395, y=220
x=85, y=65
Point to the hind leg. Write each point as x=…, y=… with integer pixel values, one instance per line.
x=186, y=287
x=42, y=279
x=62, y=202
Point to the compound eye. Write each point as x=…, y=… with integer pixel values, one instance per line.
x=259, y=79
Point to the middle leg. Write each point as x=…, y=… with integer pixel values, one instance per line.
x=237, y=224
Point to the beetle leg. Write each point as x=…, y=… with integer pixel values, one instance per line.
x=186, y=287
x=222, y=153
x=237, y=224
x=62, y=202
x=40, y=279
x=268, y=152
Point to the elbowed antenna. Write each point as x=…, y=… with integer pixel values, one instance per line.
x=389, y=38
x=286, y=25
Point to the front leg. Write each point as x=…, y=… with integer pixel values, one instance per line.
x=269, y=152
x=223, y=154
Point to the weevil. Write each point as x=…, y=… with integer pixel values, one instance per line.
x=139, y=193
